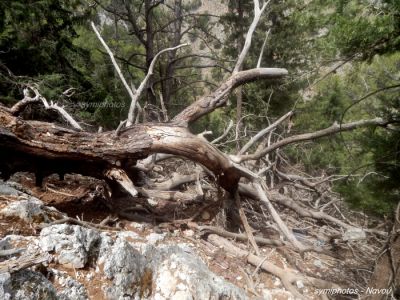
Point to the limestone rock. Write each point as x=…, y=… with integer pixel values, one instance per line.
x=30, y=210
x=124, y=265
x=28, y=285
x=71, y=289
x=73, y=244
x=5, y=286
x=180, y=274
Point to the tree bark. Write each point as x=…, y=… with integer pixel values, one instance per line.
x=45, y=148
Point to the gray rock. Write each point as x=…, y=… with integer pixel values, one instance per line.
x=74, y=245
x=300, y=284
x=72, y=289
x=5, y=243
x=105, y=244
x=153, y=237
x=18, y=187
x=6, y=189
x=317, y=263
x=179, y=274
x=124, y=265
x=29, y=285
x=30, y=210
x=5, y=286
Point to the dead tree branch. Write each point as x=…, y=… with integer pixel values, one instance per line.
x=263, y=132
x=287, y=277
x=144, y=83
x=257, y=15
x=218, y=98
x=335, y=128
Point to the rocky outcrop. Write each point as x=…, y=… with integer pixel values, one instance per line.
x=128, y=265
x=179, y=274
x=135, y=270
x=26, y=284
x=72, y=244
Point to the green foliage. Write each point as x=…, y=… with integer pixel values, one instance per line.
x=289, y=46
x=370, y=156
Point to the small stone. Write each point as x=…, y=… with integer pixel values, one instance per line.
x=89, y=276
x=317, y=263
x=300, y=284
x=152, y=202
x=128, y=234
x=73, y=244
x=205, y=215
x=277, y=282
x=189, y=233
x=28, y=210
x=139, y=226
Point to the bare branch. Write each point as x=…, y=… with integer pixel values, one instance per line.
x=144, y=82
x=257, y=14
x=134, y=95
x=245, y=223
x=282, y=226
x=335, y=128
x=18, y=107
x=114, y=62
x=230, y=125
x=287, y=276
x=262, y=49
x=241, y=237
x=218, y=98
x=263, y=132
x=23, y=262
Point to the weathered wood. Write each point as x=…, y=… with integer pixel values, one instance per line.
x=45, y=148
x=23, y=262
x=219, y=97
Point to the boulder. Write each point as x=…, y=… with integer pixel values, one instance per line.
x=124, y=266
x=72, y=244
x=26, y=285
x=180, y=274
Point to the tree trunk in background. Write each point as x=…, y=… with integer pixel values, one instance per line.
x=151, y=98
x=167, y=83
x=239, y=90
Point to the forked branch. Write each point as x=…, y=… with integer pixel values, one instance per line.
x=133, y=94
x=144, y=83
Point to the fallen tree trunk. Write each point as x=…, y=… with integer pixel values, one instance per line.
x=44, y=149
